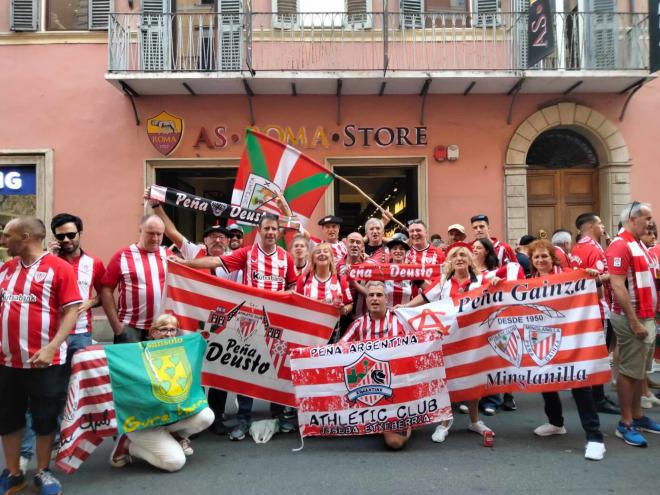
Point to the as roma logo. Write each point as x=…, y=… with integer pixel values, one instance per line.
x=165, y=131
x=368, y=380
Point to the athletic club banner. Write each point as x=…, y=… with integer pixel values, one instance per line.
x=396, y=272
x=370, y=387
x=531, y=335
x=249, y=331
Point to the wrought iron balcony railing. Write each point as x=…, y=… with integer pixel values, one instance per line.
x=370, y=41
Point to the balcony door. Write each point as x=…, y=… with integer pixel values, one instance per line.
x=155, y=40
x=562, y=181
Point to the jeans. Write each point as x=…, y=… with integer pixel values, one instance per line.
x=494, y=401
x=29, y=438
x=245, y=408
x=586, y=406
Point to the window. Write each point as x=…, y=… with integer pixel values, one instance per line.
x=60, y=15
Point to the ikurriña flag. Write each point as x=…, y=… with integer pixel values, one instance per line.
x=269, y=166
x=370, y=387
x=534, y=335
x=249, y=331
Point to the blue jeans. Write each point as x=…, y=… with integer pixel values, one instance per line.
x=245, y=408
x=29, y=438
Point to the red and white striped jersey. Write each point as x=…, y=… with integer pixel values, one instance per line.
x=140, y=276
x=400, y=291
x=441, y=288
x=562, y=257
x=327, y=290
x=191, y=251
x=364, y=328
x=89, y=271
x=587, y=253
x=303, y=269
x=30, y=307
x=504, y=252
x=510, y=271
x=430, y=255
x=380, y=254
x=339, y=249
x=274, y=271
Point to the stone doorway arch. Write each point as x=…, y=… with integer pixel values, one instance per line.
x=605, y=137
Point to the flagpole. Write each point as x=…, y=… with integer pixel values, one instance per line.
x=384, y=211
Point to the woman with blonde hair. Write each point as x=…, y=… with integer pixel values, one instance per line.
x=165, y=447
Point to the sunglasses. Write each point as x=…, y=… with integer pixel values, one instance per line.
x=416, y=220
x=632, y=207
x=69, y=235
x=479, y=218
x=235, y=236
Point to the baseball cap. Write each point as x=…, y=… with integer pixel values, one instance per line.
x=456, y=226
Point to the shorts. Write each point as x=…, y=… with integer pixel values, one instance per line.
x=635, y=355
x=42, y=389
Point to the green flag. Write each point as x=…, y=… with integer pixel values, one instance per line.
x=156, y=382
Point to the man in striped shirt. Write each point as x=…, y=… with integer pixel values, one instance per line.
x=331, y=225
x=38, y=308
x=422, y=252
x=138, y=272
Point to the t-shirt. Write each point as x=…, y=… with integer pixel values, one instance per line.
x=400, y=291
x=274, y=271
x=30, y=307
x=510, y=271
x=379, y=254
x=191, y=251
x=89, y=271
x=430, y=255
x=364, y=328
x=504, y=252
x=339, y=249
x=327, y=290
x=442, y=288
x=140, y=276
x=587, y=253
x=564, y=262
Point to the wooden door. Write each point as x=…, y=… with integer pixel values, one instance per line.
x=555, y=197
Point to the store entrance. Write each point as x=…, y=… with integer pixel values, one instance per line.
x=392, y=187
x=212, y=183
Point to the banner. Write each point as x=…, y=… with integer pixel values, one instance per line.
x=156, y=382
x=268, y=167
x=533, y=335
x=397, y=272
x=540, y=33
x=370, y=387
x=249, y=331
x=217, y=209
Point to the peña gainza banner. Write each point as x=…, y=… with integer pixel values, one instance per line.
x=540, y=34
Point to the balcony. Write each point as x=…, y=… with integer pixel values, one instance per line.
x=372, y=53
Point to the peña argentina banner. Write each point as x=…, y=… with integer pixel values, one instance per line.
x=533, y=335
x=370, y=387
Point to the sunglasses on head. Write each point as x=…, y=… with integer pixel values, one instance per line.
x=410, y=222
x=632, y=207
x=68, y=235
x=479, y=218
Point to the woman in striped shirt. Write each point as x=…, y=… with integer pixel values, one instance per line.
x=400, y=291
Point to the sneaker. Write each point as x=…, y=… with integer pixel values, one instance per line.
x=606, y=406
x=120, y=455
x=46, y=483
x=440, y=433
x=463, y=408
x=480, y=428
x=12, y=484
x=654, y=400
x=24, y=463
x=286, y=425
x=186, y=446
x=646, y=424
x=489, y=411
x=239, y=431
x=508, y=403
x=630, y=434
x=289, y=413
x=646, y=402
x=594, y=451
x=547, y=430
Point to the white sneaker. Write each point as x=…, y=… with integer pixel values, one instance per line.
x=23, y=464
x=480, y=428
x=547, y=430
x=440, y=433
x=646, y=402
x=463, y=408
x=594, y=451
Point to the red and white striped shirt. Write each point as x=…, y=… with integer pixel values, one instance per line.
x=191, y=251
x=504, y=252
x=339, y=249
x=381, y=254
x=441, y=288
x=31, y=299
x=510, y=271
x=587, y=253
x=328, y=290
x=364, y=328
x=274, y=271
x=140, y=275
x=400, y=291
x=89, y=271
x=430, y=255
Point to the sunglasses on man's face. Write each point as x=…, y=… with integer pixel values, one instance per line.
x=69, y=235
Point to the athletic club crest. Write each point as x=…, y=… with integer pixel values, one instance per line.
x=165, y=131
x=508, y=345
x=542, y=343
x=368, y=380
x=40, y=277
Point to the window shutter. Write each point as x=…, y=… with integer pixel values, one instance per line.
x=358, y=14
x=601, y=34
x=24, y=15
x=521, y=23
x=285, y=13
x=155, y=35
x=487, y=12
x=99, y=10
x=230, y=38
x=411, y=13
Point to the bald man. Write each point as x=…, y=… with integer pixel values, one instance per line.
x=133, y=271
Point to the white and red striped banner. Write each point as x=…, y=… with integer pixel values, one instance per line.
x=370, y=387
x=249, y=331
x=533, y=335
x=394, y=271
x=89, y=414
